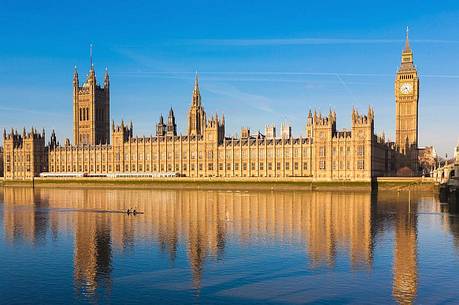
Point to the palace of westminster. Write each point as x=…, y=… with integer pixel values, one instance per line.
x=101, y=149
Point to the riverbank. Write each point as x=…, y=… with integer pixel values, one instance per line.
x=293, y=183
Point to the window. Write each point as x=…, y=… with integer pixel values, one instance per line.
x=244, y=166
x=261, y=166
x=322, y=164
x=228, y=166
x=236, y=166
x=278, y=166
x=360, y=151
x=287, y=166
x=322, y=151
x=270, y=166
x=305, y=165
x=334, y=165
x=360, y=164
x=253, y=166
x=210, y=166
x=296, y=166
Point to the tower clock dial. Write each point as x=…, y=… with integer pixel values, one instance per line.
x=406, y=88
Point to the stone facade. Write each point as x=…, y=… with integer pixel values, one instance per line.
x=91, y=110
x=323, y=154
x=24, y=154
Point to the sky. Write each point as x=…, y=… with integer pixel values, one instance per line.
x=260, y=62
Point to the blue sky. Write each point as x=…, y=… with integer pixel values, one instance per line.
x=260, y=62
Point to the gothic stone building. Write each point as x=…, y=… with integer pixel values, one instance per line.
x=323, y=154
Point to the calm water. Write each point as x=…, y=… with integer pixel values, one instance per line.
x=223, y=247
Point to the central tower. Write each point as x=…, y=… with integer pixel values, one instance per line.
x=196, y=114
x=91, y=110
x=406, y=105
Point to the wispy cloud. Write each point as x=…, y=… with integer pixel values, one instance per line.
x=255, y=101
x=188, y=74
x=305, y=41
x=26, y=110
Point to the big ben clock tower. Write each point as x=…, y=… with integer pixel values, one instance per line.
x=406, y=105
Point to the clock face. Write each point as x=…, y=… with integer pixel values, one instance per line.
x=406, y=88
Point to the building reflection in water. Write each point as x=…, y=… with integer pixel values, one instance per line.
x=204, y=221
x=403, y=207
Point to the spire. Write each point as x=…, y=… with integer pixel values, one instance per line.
x=161, y=119
x=407, y=41
x=106, y=78
x=196, y=100
x=196, y=82
x=171, y=113
x=75, y=76
x=90, y=57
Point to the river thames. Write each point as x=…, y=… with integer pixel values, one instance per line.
x=73, y=246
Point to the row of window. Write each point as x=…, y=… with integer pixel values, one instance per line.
x=18, y=158
x=323, y=165
x=406, y=76
x=210, y=166
x=360, y=151
x=322, y=153
x=169, y=167
x=84, y=114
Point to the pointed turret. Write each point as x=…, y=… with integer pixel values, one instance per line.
x=53, y=140
x=75, y=77
x=196, y=114
x=196, y=100
x=407, y=54
x=171, y=126
x=161, y=127
x=106, y=78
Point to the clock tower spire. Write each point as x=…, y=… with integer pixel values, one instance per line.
x=406, y=105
